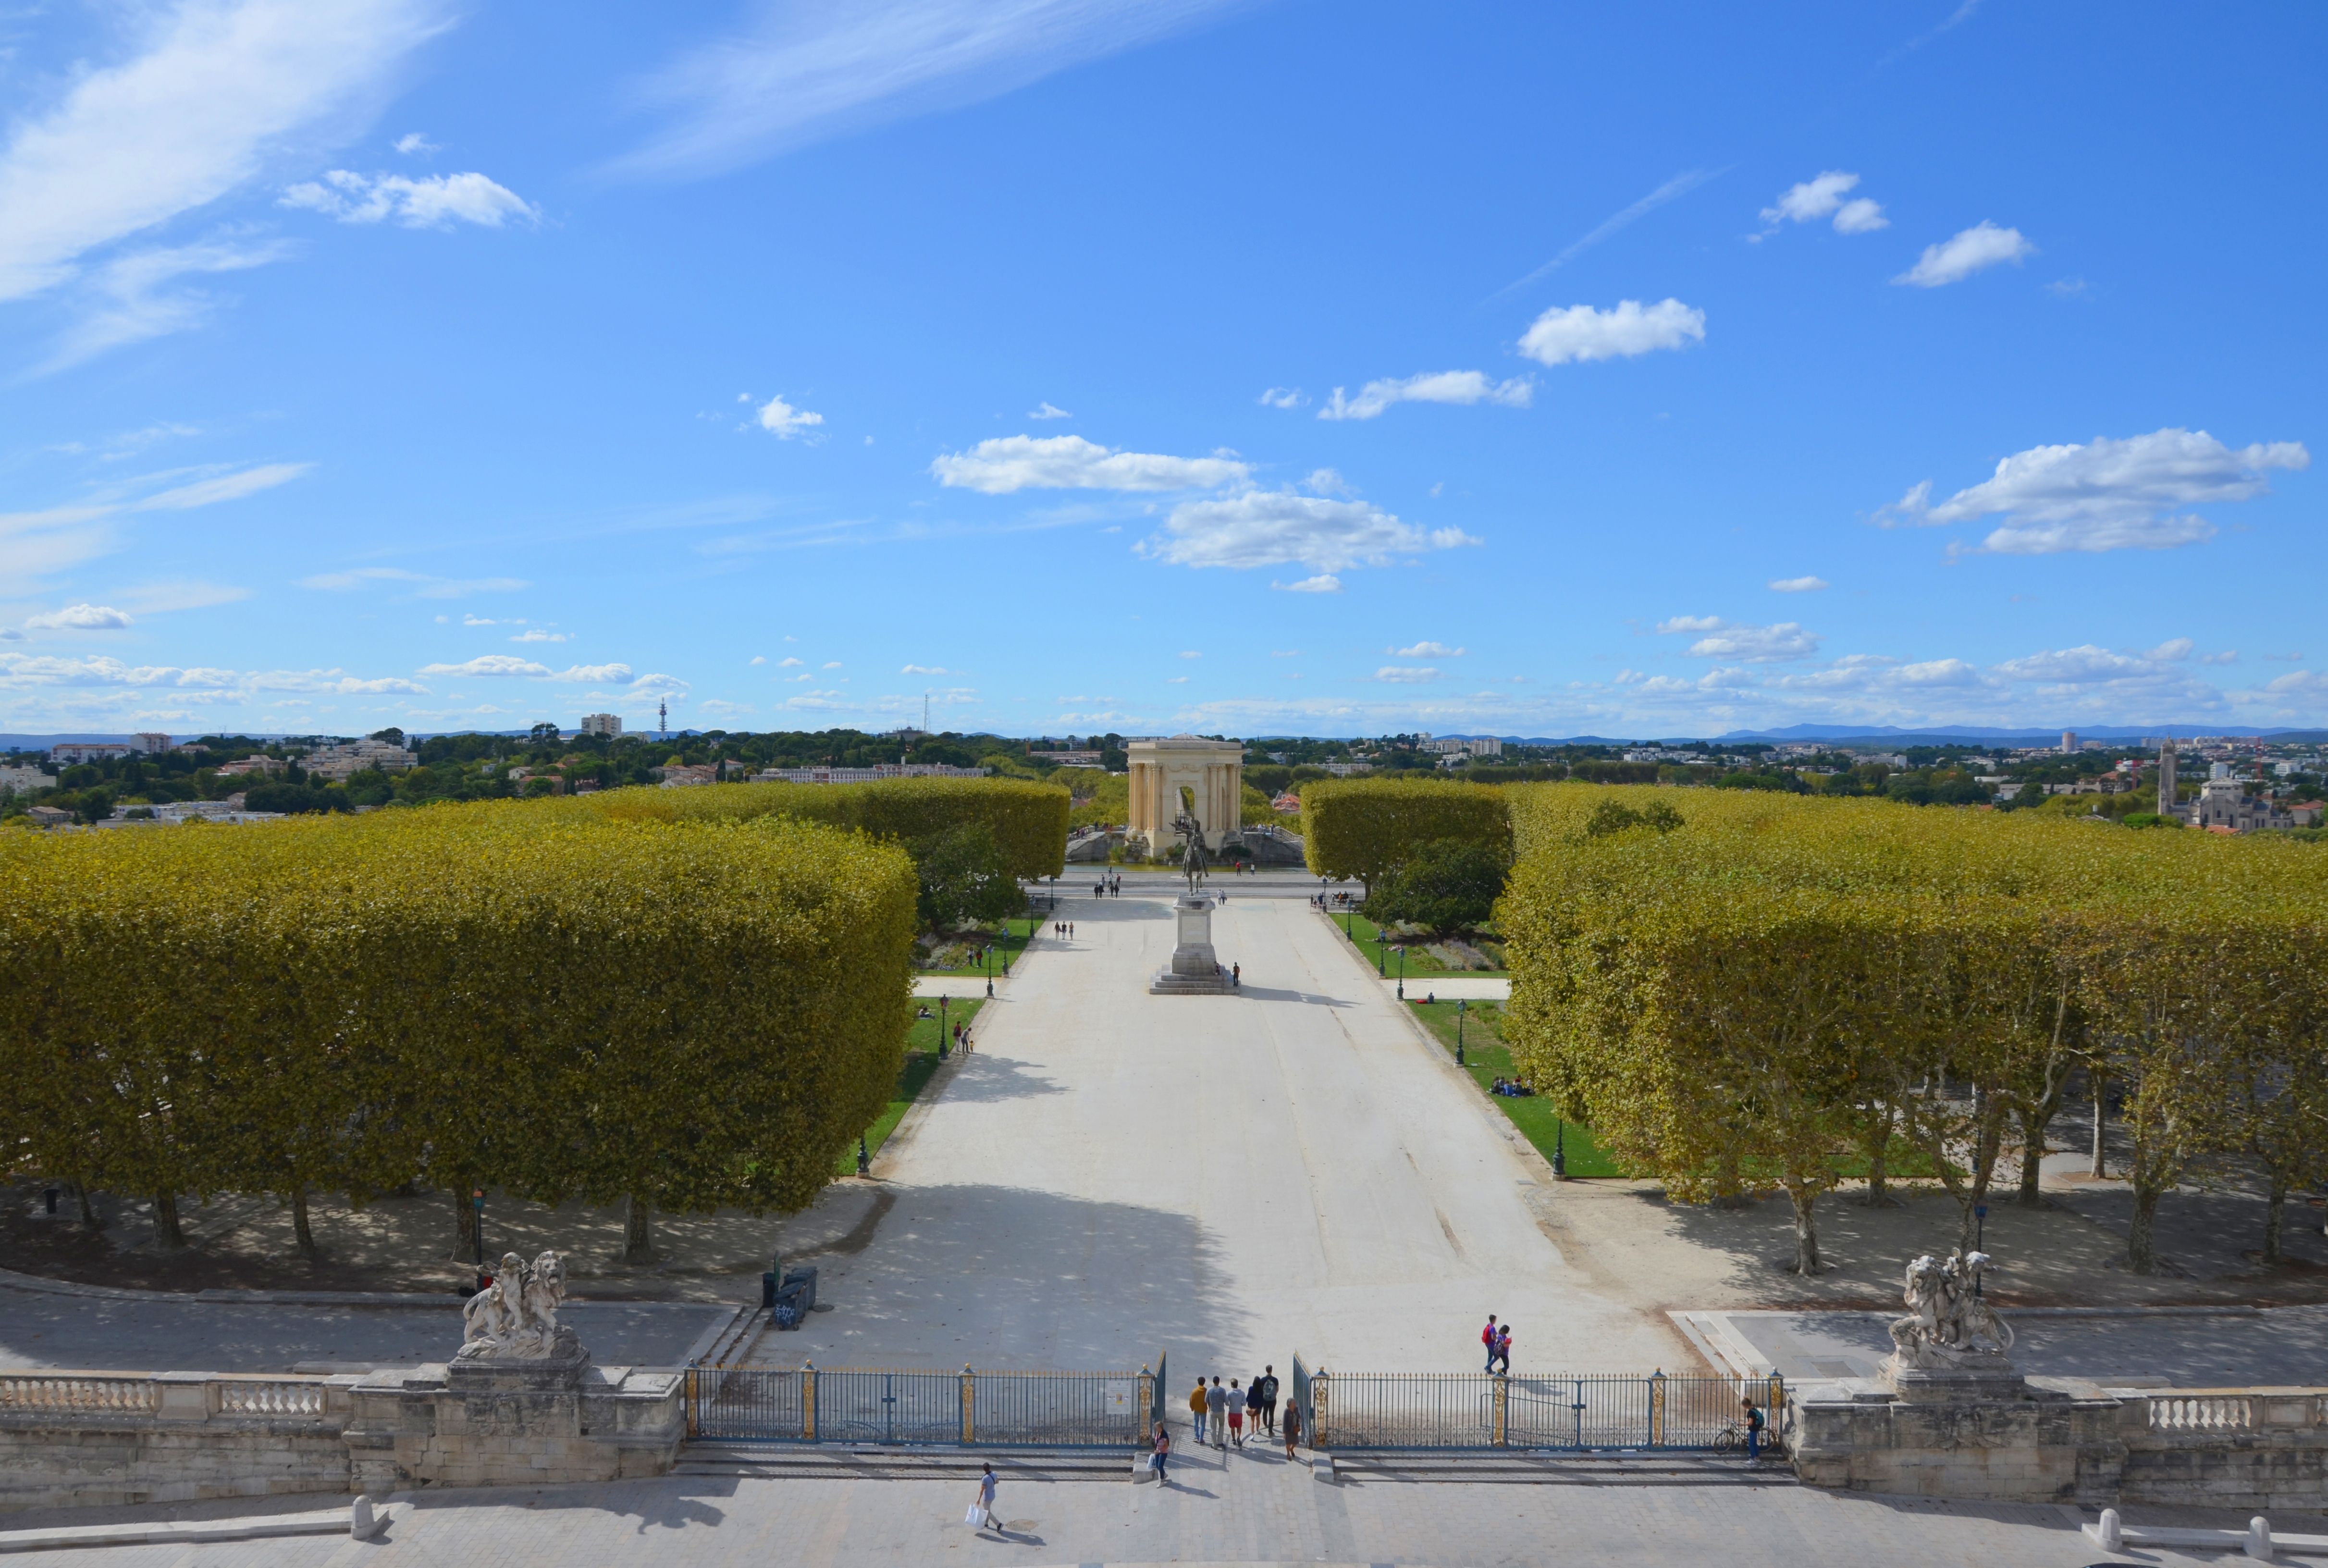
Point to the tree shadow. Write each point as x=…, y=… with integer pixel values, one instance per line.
x=1007, y=1278
x=1306, y=999
x=983, y=1078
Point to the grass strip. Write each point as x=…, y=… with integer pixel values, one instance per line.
x=921, y=1065
x=1487, y=1059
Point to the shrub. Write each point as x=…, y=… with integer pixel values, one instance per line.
x=1363, y=827
x=1446, y=884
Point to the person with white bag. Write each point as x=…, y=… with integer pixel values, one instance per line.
x=981, y=1512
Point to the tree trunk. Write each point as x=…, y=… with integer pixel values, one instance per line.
x=2032, y=1157
x=2141, y=1249
x=88, y=1220
x=301, y=1234
x=466, y=1247
x=1729, y=1186
x=1806, y=1253
x=2100, y=1167
x=1879, y=1147
x=167, y=1235
x=2275, y=1218
x=638, y=1246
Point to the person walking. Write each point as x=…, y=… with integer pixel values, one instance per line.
x=1504, y=1351
x=1236, y=975
x=1292, y=1425
x=986, y=1484
x=1488, y=1337
x=1197, y=1407
x=1163, y=1453
x=1216, y=1405
x=1237, y=1415
x=1263, y=1400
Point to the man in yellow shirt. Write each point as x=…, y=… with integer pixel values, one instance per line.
x=1197, y=1407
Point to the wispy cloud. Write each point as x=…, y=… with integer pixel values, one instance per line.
x=1798, y=584
x=422, y=583
x=1463, y=387
x=1681, y=184
x=210, y=89
x=796, y=74
x=138, y=296
x=1970, y=251
x=431, y=201
x=33, y=544
x=1014, y=463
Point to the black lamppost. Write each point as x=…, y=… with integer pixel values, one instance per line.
x=1402, y=974
x=864, y=1156
x=1559, y=1148
x=986, y=958
x=1382, y=952
x=1461, y=1008
x=942, y=1026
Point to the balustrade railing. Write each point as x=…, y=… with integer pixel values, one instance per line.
x=78, y=1392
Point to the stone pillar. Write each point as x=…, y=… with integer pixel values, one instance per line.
x=489, y=1423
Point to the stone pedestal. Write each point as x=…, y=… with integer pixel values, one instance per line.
x=492, y=1421
x=1972, y=1379
x=1195, y=970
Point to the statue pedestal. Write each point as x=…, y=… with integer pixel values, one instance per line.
x=1195, y=970
x=496, y=1421
x=1976, y=1378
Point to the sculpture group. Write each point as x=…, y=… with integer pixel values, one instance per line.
x=515, y=1317
x=1949, y=1327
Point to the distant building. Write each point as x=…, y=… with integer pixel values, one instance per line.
x=149, y=742
x=341, y=762
x=680, y=776
x=2224, y=806
x=50, y=816
x=867, y=774
x=1066, y=758
x=251, y=764
x=2069, y=741
x=87, y=751
x=1346, y=769
x=24, y=780
x=605, y=724
x=1288, y=801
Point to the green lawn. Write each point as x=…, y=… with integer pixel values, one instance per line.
x=1020, y=927
x=1366, y=933
x=921, y=1062
x=1485, y=1058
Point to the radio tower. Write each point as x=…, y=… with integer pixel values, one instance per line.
x=662, y=717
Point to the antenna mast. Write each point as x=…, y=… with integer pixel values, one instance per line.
x=662, y=717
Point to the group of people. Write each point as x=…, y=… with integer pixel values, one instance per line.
x=1064, y=930
x=1108, y=886
x=1498, y=1338
x=1512, y=1086
x=1226, y=1416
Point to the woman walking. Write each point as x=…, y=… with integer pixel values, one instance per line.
x=1290, y=1425
x=986, y=1499
x=1162, y=1455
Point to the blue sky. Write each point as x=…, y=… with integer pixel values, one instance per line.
x=1181, y=364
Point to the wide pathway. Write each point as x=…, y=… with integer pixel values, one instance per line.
x=1230, y=1178
x=1247, y=1508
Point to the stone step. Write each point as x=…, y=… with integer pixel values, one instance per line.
x=772, y=1461
x=1572, y=1469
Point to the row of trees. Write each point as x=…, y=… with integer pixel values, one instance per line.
x=1771, y=989
x=682, y=1015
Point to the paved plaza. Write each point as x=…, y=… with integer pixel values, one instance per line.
x=1244, y=1508
x=1231, y=1179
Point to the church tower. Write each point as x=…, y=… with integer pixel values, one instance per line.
x=2166, y=777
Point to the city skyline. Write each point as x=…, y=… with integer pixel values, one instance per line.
x=1245, y=368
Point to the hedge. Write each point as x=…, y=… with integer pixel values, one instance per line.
x=1030, y=819
x=693, y=1015
x=1775, y=987
x=1363, y=827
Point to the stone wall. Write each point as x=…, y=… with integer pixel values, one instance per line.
x=103, y=1438
x=2249, y=1449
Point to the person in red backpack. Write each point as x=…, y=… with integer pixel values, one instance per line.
x=1488, y=1338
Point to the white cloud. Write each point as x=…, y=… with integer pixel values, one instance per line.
x=212, y=89
x=1270, y=527
x=1582, y=332
x=594, y=674
x=412, y=143
x=924, y=670
x=33, y=544
x=1798, y=584
x=161, y=599
x=1190, y=653
x=488, y=664
x=78, y=618
x=2107, y=494
x=1013, y=462
x=1283, y=398
x=1428, y=650
x=659, y=685
x=1044, y=410
x=538, y=635
x=1823, y=196
x=787, y=663
x=1463, y=387
x=793, y=74
x=2173, y=649
x=431, y=201
x=830, y=664
x=1176, y=681
x=1324, y=583
x=1406, y=674
x=1971, y=250
x=783, y=421
x=759, y=659
x=1721, y=639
